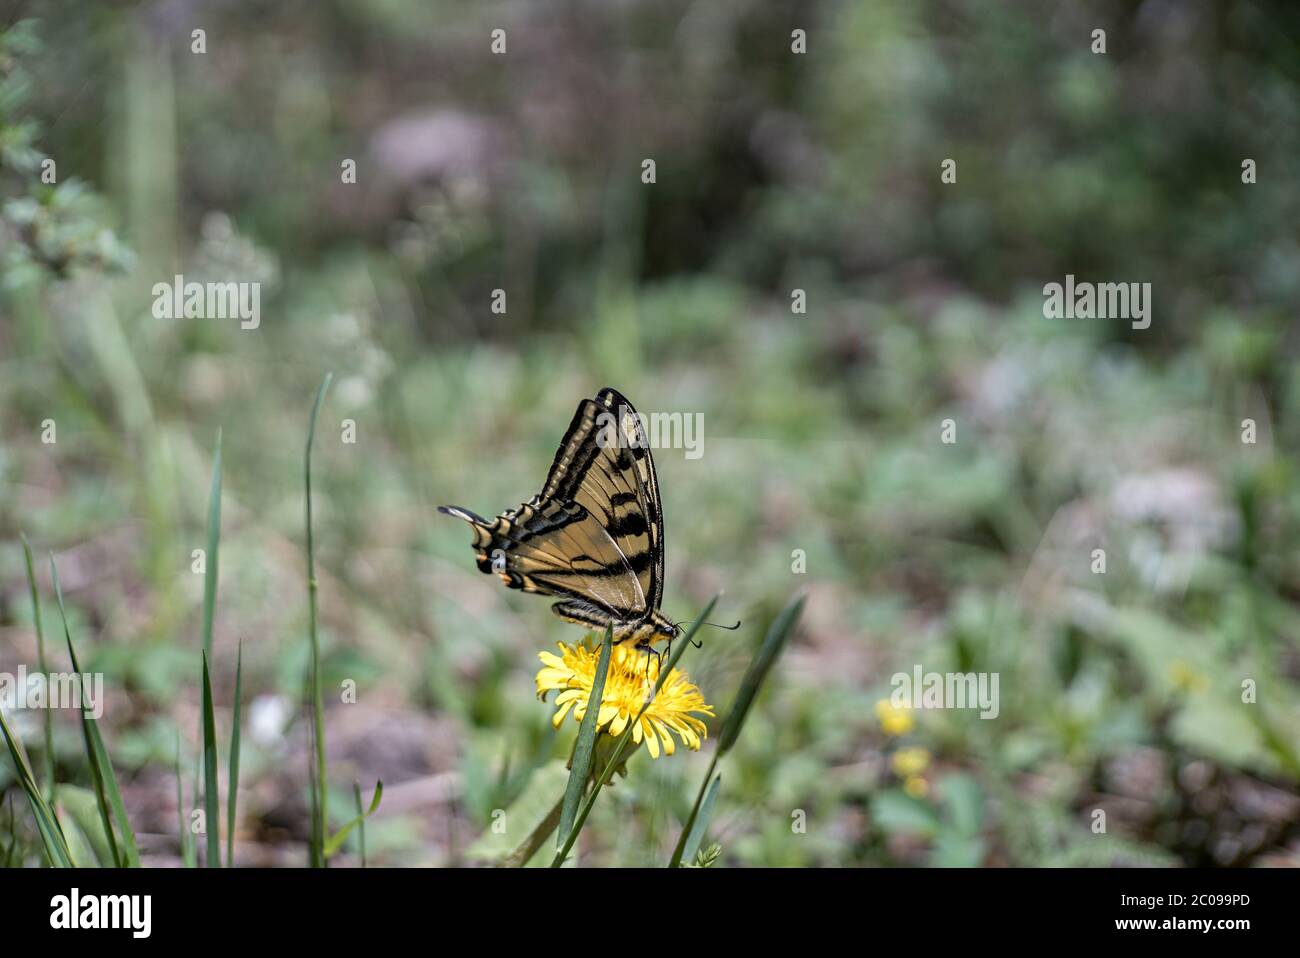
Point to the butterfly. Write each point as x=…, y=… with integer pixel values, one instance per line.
x=594, y=535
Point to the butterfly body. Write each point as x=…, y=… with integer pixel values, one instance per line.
x=593, y=536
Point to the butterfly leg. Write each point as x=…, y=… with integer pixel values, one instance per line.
x=659, y=660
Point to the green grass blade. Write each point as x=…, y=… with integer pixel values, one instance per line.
x=101, y=767
x=586, y=744
x=97, y=777
x=40, y=659
x=187, y=847
x=47, y=824
x=320, y=803
x=12, y=832
x=214, y=545
x=701, y=826
x=620, y=746
x=777, y=634
x=339, y=837
x=233, y=786
x=211, y=796
x=211, y=570
x=315, y=849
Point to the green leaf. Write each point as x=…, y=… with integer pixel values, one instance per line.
x=211, y=795
x=40, y=659
x=81, y=805
x=85, y=835
x=896, y=811
x=12, y=832
x=339, y=837
x=953, y=849
x=101, y=768
x=777, y=634
x=586, y=743
x=701, y=826
x=232, y=798
x=515, y=841
x=963, y=801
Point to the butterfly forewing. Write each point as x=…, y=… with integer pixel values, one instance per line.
x=604, y=464
x=593, y=535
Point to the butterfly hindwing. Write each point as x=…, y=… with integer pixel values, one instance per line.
x=550, y=547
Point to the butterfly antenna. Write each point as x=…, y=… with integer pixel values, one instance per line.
x=716, y=625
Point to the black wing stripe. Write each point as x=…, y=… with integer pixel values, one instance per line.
x=632, y=524
x=642, y=468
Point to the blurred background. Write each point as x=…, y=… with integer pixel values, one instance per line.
x=775, y=171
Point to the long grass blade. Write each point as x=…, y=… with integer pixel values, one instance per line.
x=233, y=786
x=701, y=826
x=101, y=767
x=211, y=795
x=320, y=802
x=12, y=832
x=53, y=840
x=214, y=545
x=586, y=744
x=211, y=570
x=40, y=659
x=315, y=849
x=777, y=634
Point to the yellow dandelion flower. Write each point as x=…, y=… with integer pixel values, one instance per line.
x=894, y=720
x=910, y=762
x=629, y=682
x=916, y=786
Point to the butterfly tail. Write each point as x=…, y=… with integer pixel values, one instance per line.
x=487, y=541
x=482, y=527
x=473, y=518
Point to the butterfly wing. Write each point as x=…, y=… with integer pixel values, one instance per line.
x=604, y=464
x=549, y=547
x=593, y=535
